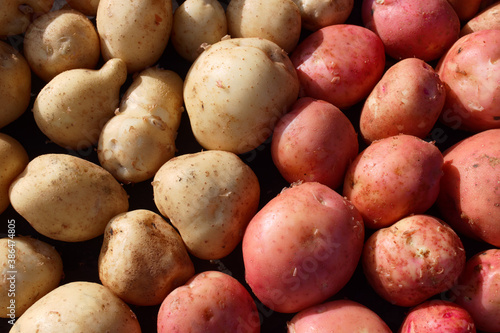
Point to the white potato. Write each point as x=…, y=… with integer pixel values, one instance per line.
x=13, y=160
x=317, y=14
x=16, y=15
x=87, y=7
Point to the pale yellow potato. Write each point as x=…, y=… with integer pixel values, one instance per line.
x=13, y=160
x=16, y=15
x=67, y=198
x=143, y=258
x=489, y=18
x=317, y=14
x=29, y=268
x=140, y=138
x=61, y=40
x=236, y=91
x=15, y=84
x=276, y=20
x=197, y=23
x=87, y=7
x=135, y=31
x=74, y=106
x=210, y=198
x=78, y=307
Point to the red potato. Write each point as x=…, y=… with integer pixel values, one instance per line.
x=302, y=247
x=340, y=316
x=478, y=289
x=339, y=64
x=465, y=9
x=408, y=27
x=471, y=74
x=210, y=301
x=314, y=141
x=489, y=18
x=469, y=199
x=436, y=316
x=415, y=258
x=408, y=99
x=393, y=178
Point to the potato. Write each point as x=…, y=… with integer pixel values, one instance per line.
x=67, y=198
x=61, y=40
x=143, y=258
x=469, y=199
x=74, y=106
x=197, y=24
x=408, y=99
x=408, y=28
x=393, y=178
x=317, y=14
x=236, y=91
x=415, y=258
x=210, y=302
x=135, y=31
x=484, y=20
x=302, y=247
x=15, y=84
x=465, y=9
x=16, y=15
x=314, y=141
x=276, y=20
x=87, y=7
x=337, y=316
x=13, y=160
x=435, y=316
x=78, y=306
x=210, y=198
x=477, y=289
x=346, y=76
x=140, y=138
x=470, y=72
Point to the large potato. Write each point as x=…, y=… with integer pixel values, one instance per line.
x=302, y=247
x=67, y=198
x=78, y=307
x=317, y=14
x=140, y=138
x=16, y=15
x=143, y=258
x=484, y=20
x=13, y=160
x=236, y=91
x=210, y=198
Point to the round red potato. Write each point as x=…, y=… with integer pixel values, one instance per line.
x=478, y=290
x=469, y=199
x=339, y=64
x=393, y=178
x=408, y=99
x=415, y=258
x=470, y=71
x=210, y=301
x=302, y=247
x=340, y=316
x=435, y=316
x=408, y=28
x=314, y=141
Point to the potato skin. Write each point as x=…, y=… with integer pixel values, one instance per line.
x=87, y=7
x=317, y=14
x=484, y=20
x=415, y=258
x=13, y=160
x=16, y=15
x=302, y=247
x=465, y=9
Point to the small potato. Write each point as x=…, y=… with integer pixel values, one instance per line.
x=15, y=84
x=393, y=178
x=143, y=258
x=78, y=307
x=210, y=302
x=197, y=24
x=16, y=15
x=61, y=40
x=317, y=14
x=67, y=198
x=209, y=197
x=408, y=99
x=13, y=160
x=489, y=18
x=340, y=316
x=87, y=7
x=465, y=9
x=415, y=258
x=276, y=20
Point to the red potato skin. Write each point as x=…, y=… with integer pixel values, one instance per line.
x=393, y=178
x=489, y=18
x=408, y=28
x=314, y=142
x=465, y=9
x=412, y=260
x=435, y=316
x=339, y=64
x=478, y=290
x=469, y=198
x=210, y=302
x=302, y=247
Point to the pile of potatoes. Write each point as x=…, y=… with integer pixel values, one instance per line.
x=250, y=166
